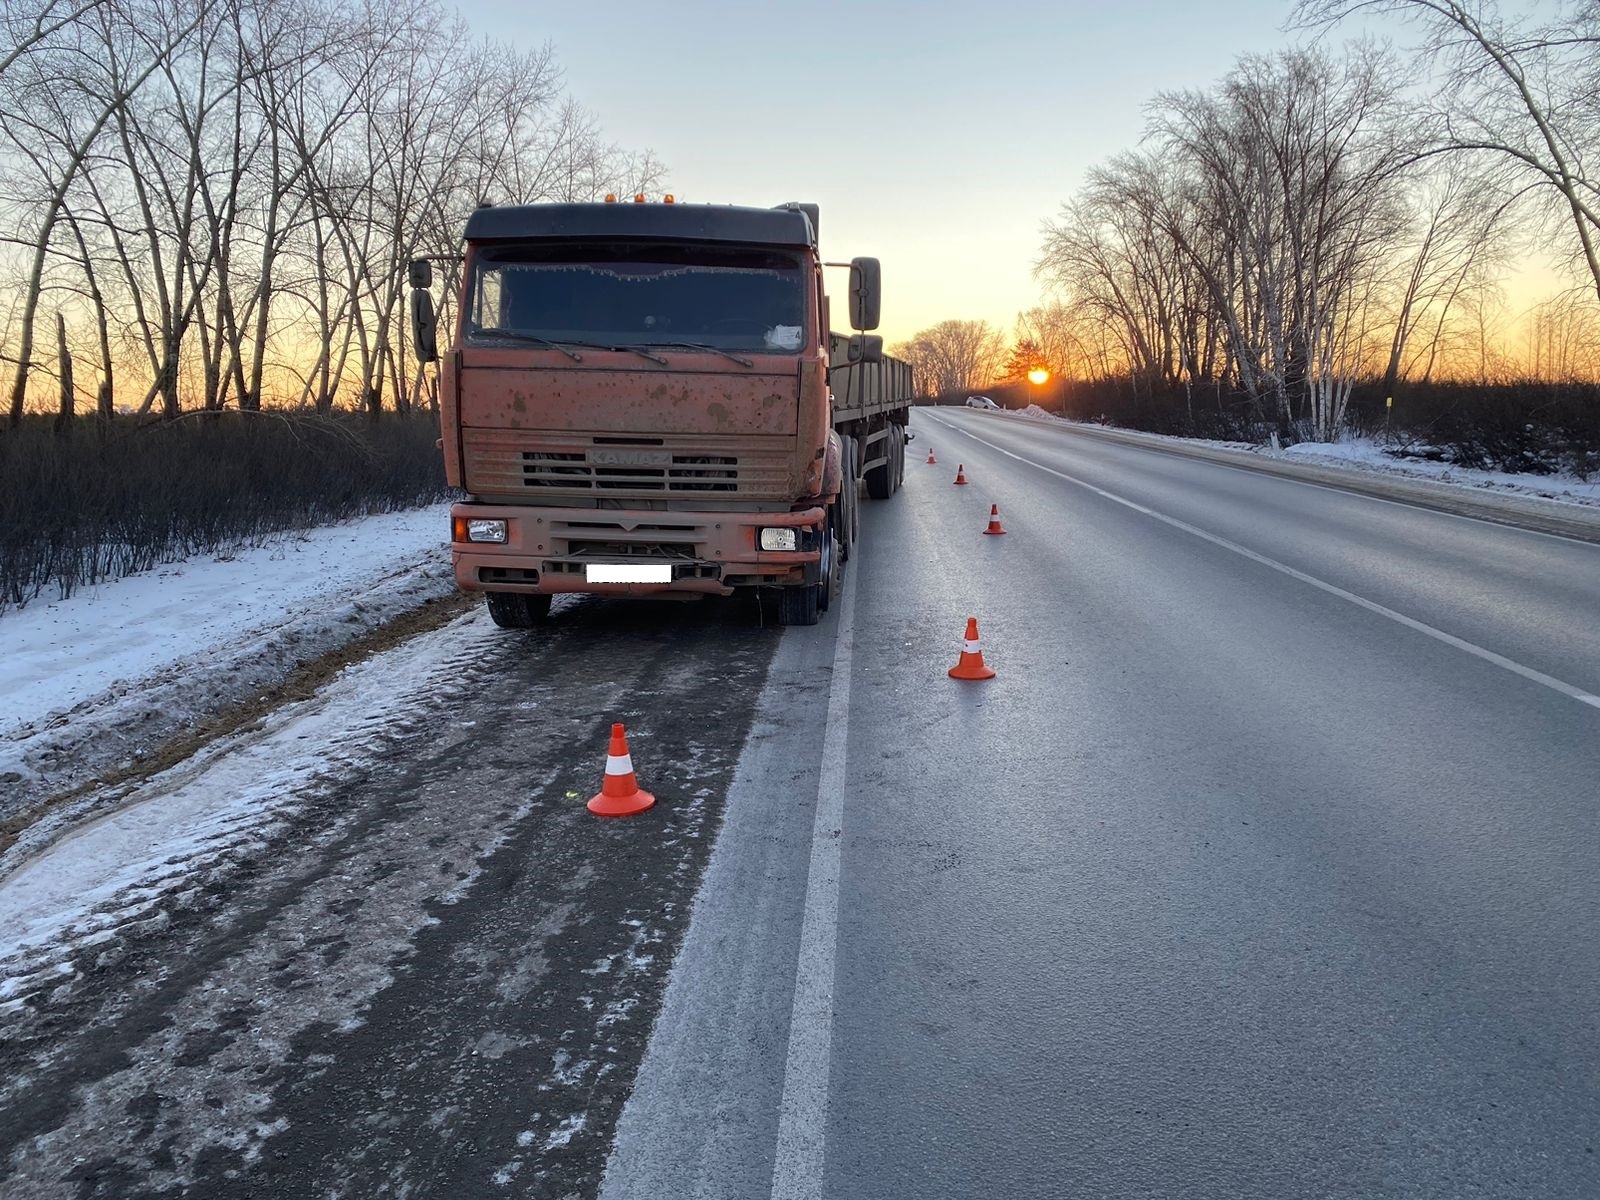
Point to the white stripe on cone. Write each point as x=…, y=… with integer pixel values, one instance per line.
x=969, y=647
x=619, y=764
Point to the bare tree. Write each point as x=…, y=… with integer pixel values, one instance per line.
x=1298, y=158
x=1459, y=230
x=1519, y=94
x=55, y=116
x=954, y=356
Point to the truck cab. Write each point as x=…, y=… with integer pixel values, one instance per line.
x=637, y=401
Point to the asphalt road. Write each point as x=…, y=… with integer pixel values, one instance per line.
x=1265, y=867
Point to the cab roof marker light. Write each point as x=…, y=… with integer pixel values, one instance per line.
x=611, y=197
x=669, y=198
x=639, y=199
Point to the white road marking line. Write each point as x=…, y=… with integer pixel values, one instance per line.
x=1449, y=639
x=803, y=1112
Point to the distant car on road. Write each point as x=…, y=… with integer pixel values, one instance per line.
x=981, y=402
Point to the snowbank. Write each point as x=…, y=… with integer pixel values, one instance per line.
x=102, y=677
x=1365, y=454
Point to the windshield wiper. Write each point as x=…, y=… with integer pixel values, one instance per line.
x=740, y=359
x=518, y=336
x=655, y=358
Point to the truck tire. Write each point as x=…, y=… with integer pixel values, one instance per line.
x=798, y=605
x=518, y=610
x=828, y=588
x=897, y=437
x=880, y=479
x=849, y=522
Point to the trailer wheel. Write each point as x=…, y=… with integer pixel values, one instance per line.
x=518, y=610
x=897, y=435
x=849, y=521
x=880, y=479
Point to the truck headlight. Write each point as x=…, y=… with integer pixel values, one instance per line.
x=486, y=531
x=779, y=539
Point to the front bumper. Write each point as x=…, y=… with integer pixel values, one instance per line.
x=549, y=549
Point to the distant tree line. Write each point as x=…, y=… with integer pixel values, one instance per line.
x=954, y=357
x=209, y=203
x=1318, y=221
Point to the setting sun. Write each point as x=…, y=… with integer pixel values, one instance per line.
x=1038, y=375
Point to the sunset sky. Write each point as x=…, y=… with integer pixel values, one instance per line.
x=938, y=136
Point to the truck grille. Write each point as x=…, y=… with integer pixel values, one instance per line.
x=631, y=550
x=503, y=462
x=679, y=473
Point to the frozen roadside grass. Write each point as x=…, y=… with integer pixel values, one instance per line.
x=1366, y=455
x=96, y=683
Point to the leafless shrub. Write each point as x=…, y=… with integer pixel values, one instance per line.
x=84, y=504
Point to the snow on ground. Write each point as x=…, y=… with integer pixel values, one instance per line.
x=100, y=678
x=1364, y=454
x=185, y=826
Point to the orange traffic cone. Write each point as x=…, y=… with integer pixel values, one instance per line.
x=620, y=795
x=961, y=477
x=971, y=665
x=994, y=520
x=931, y=458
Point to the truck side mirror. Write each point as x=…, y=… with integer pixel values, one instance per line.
x=865, y=348
x=866, y=293
x=421, y=273
x=424, y=325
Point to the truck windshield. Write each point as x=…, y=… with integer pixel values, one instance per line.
x=632, y=294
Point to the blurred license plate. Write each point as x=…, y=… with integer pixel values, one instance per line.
x=624, y=573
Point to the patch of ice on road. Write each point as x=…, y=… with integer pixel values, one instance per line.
x=616, y=1011
x=564, y=1072
x=504, y=1175
x=496, y=1045
x=566, y=1131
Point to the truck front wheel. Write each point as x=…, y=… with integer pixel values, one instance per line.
x=518, y=610
x=798, y=605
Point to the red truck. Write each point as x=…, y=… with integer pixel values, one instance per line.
x=645, y=398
